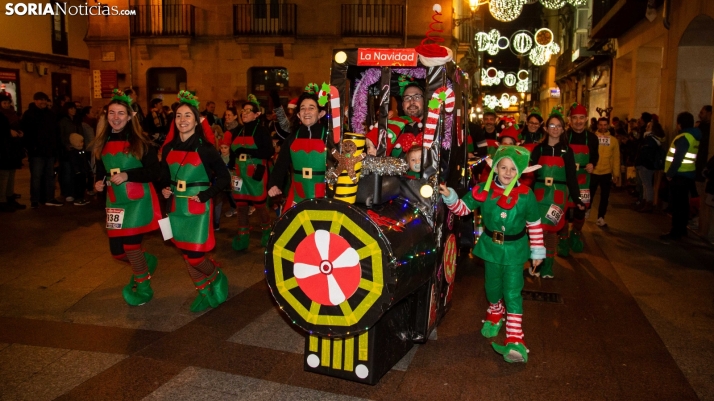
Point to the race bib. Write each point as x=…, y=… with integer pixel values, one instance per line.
x=604, y=140
x=555, y=213
x=237, y=183
x=585, y=195
x=115, y=218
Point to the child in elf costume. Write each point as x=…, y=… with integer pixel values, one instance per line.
x=508, y=210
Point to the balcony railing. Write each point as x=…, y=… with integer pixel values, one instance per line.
x=385, y=20
x=274, y=19
x=169, y=20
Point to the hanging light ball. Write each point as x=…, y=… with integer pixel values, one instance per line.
x=553, y=4
x=482, y=41
x=521, y=42
x=523, y=75
x=513, y=99
x=506, y=10
x=510, y=79
x=544, y=37
x=538, y=56
x=500, y=74
x=578, y=2
x=503, y=42
x=522, y=86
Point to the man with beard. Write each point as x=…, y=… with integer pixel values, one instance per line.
x=585, y=147
x=412, y=95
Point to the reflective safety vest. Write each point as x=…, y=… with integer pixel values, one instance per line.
x=689, y=158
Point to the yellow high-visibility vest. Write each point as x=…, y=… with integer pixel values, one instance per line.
x=689, y=158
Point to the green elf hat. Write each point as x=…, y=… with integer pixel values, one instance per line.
x=405, y=81
x=520, y=157
x=557, y=111
x=254, y=100
x=536, y=111
x=312, y=88
x=121, y=96
x=187, y=97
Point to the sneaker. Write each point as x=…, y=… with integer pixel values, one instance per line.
x=231, y=213
x=601, y=222
x=13, y=203
x=81, y=202
x=54, y=202
x=587, y=214
x=69, y=199
x=34, y=205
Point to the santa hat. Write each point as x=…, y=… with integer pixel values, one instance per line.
x=577, y=109
x=292, y=103
x=510, y=132
x=394, y=128
x=432, y=54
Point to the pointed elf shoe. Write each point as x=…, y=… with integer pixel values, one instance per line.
x=513, y=350
x=563, y=247
x=546, y=269
x=138, y=291
x=576, y=241
x=242, y=240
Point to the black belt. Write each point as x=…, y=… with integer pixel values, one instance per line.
x=554, y=181
x=193, y=184
x=313, y=172
x=499, y=237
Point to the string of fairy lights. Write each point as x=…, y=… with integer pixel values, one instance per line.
x=539, y=46
x=509, y=10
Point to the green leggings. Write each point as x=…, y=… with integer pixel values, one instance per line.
x=505, y=282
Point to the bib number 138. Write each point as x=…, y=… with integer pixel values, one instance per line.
x=115, y=218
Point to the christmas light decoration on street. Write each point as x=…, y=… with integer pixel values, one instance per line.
x=522, y=86
x=553, y=4
x=510, y=79
x=521, y=42
x=506, y=10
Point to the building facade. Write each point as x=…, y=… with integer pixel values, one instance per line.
x=223, y=51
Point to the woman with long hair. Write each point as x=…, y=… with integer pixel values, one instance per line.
x=189, y=160
x=304, y=153
x=126, y=165
x=251, y=148
x=555, y=181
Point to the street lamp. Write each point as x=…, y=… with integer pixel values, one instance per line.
x=473, y=5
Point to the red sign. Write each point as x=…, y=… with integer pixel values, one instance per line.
x=387, y=57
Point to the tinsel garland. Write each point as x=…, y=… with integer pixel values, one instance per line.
x=378, y=165
x=372, y=76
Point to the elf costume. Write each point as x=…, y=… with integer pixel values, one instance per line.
x=132, y=206
x=304, y=155
x=508, y=212
x=585, y=148
x=555, y=183
x=251, y=148
x=187, y=167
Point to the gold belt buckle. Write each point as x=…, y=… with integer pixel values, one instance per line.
x=498, y=237
x=577, y=166
x=181, y=186
x=549, y=181
x=114, y=171
x=307, y=173
x=243, y=157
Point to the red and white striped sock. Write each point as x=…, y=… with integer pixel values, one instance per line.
x=136, y=258
x=514, y=333
x=494, y=313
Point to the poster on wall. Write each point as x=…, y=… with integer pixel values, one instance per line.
x=10, y=84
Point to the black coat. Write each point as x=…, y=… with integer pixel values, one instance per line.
x=41, y=132
x=11, y=151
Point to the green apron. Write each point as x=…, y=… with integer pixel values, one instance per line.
x=309, y=161
x=582, y=158
x=191, y=222
x=251, y=190
x=551, y=192
x=132, y=207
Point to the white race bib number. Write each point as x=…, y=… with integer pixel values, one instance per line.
x=604, y=140
x=585, y=195
x=237, y=183
x=115, y=218
x=555, y=213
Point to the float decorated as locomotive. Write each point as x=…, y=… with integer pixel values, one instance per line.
x=368, y=271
